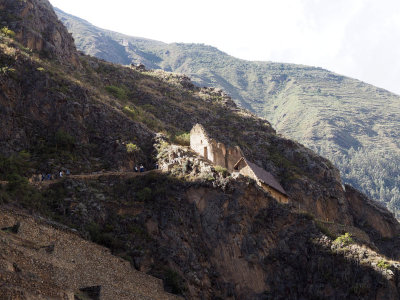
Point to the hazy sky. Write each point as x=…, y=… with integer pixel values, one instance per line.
x=357, y=38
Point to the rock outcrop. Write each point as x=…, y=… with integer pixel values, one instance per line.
x=206, y=233
x=37, y=27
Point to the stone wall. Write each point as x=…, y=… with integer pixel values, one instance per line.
x=274, y=193
x=212, y=150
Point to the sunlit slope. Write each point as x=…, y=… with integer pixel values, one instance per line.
x=354, y=124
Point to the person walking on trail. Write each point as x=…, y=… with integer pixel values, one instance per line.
x=141, y=169
x=156, y=166
x=68, y=172
x=61, y=174
x=136, y=169
x=48, y=176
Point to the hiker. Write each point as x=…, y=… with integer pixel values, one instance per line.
x=136, y=169
x=61, y=174
x=156, y=166
x=49, y=176
x=141, y=169
x=68, y=172
x=43, y=177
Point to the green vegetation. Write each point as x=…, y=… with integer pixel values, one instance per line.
x=129, y=110
x=6, y=70
x=324, y=229
x=132, y=148
x=294, y=98
x=144, y=194
x=5, y=31
x=15, y=165
x=174, y=283
x=120, y=93
x=344, y=240
x=139, y=114
x=383, y=264
x=64, y=140
x=223, y=171
x=182, y=139
x=104, y=237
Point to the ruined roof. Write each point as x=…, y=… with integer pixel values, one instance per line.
x=263, y=176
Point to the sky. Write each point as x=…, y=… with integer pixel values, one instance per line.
x=356, y=38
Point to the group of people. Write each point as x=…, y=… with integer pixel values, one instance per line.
x=61, y=174
x=141, y=168
x=49, y=176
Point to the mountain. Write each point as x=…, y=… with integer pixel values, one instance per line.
x=354, y=124
x=205, y=232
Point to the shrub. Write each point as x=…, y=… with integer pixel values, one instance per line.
x=144, y=194
x=16, y=164
x=182, y=139
x=94, y=231
x=383, y=264
x=174, y=282
x=325, y=230
x=117, y=92
x=132, y=148
x=16, y=182
x=221, y=170
x=7, y=32
x=129, y=110
x=64, y=140
x=6, y=70
x=344, y=240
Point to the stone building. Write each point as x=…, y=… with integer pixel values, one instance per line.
x=263, y=178
x=212, y=150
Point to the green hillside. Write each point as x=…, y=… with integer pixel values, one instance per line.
x=354, y=124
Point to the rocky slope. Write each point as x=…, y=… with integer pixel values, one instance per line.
x=39, y=261
x=338, y=117
x=49, y=38
x=205, y=233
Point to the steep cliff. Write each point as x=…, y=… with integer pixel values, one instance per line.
x=37, y=27
x=340, y=118
x=207, y=233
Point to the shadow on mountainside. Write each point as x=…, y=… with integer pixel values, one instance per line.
x=204, y=242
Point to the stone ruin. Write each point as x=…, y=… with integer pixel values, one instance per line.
x=212, y=150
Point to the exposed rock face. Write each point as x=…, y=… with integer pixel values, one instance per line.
x=38, y=28
x=207, y=234
x=376, y=220
x=231, y=243
x=41, y=107
x=325, y=111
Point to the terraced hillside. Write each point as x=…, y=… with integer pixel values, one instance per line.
x=354, y=124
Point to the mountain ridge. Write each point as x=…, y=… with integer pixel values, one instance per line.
x=207, y=233
x=337, y=116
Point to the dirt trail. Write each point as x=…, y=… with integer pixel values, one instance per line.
x=88, y=176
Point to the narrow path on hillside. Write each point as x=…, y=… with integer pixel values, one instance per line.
x=129, y=174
